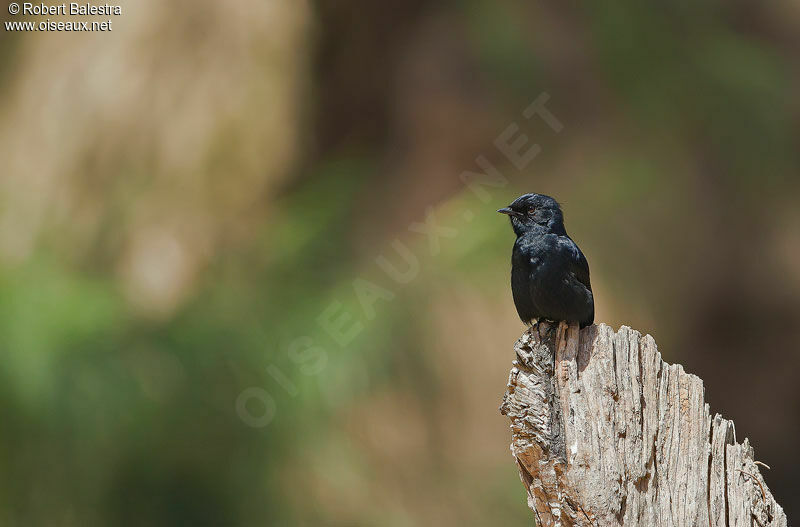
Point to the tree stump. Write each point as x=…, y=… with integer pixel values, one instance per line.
x=605, y=433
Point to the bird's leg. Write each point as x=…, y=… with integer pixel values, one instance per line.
x=534, y=323
x=552, y=326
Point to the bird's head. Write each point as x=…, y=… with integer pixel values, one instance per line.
x=535, y=213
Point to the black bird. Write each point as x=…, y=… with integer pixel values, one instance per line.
x=549, y=274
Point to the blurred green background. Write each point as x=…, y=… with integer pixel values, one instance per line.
x=184, y=197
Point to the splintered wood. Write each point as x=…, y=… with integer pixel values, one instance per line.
x=605, y=433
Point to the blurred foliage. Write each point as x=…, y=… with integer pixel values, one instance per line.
x=181, y=204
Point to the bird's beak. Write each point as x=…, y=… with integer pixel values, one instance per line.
x=508, y=211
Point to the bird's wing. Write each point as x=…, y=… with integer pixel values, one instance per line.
x=578, y=265
x=579, y=269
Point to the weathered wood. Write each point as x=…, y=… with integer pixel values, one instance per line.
x=605, y=433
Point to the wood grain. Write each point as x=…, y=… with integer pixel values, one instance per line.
x=605, y=433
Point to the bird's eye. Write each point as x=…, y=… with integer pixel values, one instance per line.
x=531, y=210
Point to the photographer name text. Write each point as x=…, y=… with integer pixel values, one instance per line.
x=71, y=9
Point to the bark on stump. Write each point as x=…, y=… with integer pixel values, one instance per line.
x=605, y=433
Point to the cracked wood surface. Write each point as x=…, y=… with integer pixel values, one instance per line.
x=605, y=433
